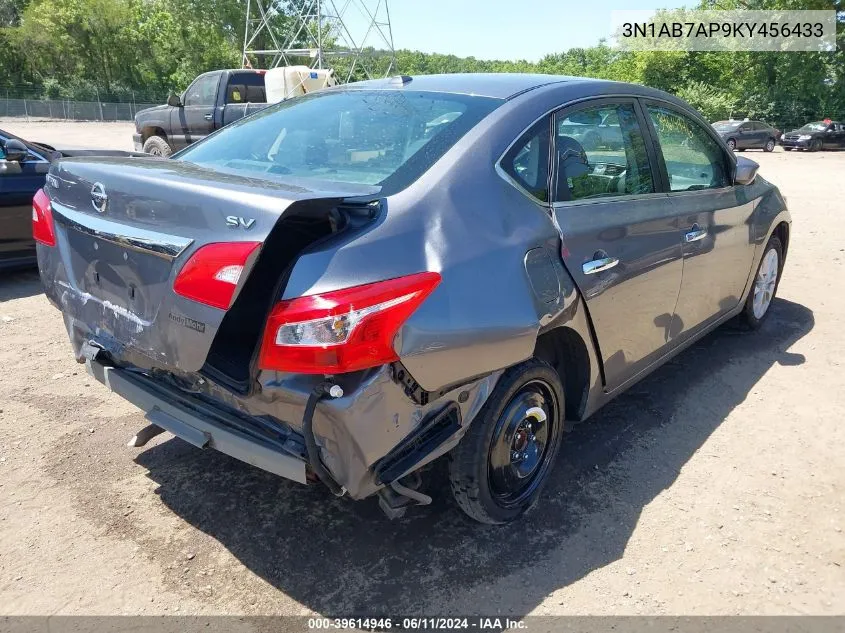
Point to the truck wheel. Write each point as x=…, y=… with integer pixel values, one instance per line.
x=157, y=146
x=498, y=470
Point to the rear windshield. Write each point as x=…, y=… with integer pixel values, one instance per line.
x=726, y=126
x=246, y=88
x=369, y=137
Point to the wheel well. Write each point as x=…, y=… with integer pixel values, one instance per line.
x=564, y=350
x=149, y=131
x=782, y=233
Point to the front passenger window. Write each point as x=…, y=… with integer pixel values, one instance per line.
x=203, y=92
x=694, y=160
x=600, y=152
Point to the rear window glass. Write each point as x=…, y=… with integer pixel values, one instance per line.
x=246, y=88
x=369, y=137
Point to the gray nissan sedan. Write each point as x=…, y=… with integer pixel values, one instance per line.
x=349, y=285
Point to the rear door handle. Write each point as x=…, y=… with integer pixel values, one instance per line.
x=695, y=233
x=208, y=117
x=599, y=265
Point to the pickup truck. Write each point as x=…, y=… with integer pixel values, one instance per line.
x=213, y=100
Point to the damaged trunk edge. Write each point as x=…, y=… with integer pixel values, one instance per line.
x=381, y=429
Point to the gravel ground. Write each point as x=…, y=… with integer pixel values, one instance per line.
x=713, y=487
x=73, y=135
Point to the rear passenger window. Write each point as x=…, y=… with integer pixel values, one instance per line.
x=693, y=158
x=600, y=152
x=246, y=88
x=527, y=162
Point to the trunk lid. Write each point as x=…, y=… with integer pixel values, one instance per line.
x=124, y=229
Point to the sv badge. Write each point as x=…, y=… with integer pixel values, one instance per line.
x=234, y=221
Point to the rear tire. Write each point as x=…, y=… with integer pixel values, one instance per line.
x=770, y=145
x=498, y=470
x=157, y=146
x=731, y=144
x=765, y=285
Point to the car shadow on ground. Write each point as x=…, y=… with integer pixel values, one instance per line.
x=19, y=283
x=336, y=556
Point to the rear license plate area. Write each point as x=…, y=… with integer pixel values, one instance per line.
x=123, y=276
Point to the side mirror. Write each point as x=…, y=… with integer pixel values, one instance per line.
x=16, y=151
x=746, y=171
x=174, y=101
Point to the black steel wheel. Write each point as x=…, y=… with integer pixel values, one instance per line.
x=498, y=470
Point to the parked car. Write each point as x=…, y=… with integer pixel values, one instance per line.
x=815, y=136
x=349, y=285
x=210, y=102
x=23, y=169
x=742, y=135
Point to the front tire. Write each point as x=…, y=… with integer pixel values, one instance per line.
x=157, y=146
x=498, y=470
x=770, y=145
x=766, y=280
x=731, y=144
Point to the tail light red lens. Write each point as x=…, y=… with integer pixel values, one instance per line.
x=43, y=229
x=345, y=330
x=211, y=275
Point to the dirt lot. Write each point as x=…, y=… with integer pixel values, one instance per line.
x=713, y=487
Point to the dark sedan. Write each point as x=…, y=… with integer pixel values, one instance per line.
x=741, y=135
x=23, y=170
x=815, y=136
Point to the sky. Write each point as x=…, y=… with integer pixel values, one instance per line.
x=506, y=29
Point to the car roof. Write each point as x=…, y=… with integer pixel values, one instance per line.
x=497, y=85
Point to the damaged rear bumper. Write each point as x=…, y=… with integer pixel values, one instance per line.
x=367, y=439
x=206, y=426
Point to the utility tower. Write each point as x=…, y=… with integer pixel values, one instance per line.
x=351, y=36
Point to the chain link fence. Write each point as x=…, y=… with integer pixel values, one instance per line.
x=69, y=110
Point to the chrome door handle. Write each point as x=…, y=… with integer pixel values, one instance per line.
x=695, y=233
x=208, y=117
x=599, y=265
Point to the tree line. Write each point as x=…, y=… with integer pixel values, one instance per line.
x=141, y=50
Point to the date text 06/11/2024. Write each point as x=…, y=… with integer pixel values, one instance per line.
x=475, y=623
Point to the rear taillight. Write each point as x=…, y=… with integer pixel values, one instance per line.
x=211, y=275
x=344, y=330
x=42, y=219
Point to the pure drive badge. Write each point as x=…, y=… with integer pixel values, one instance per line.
x=188, y=322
